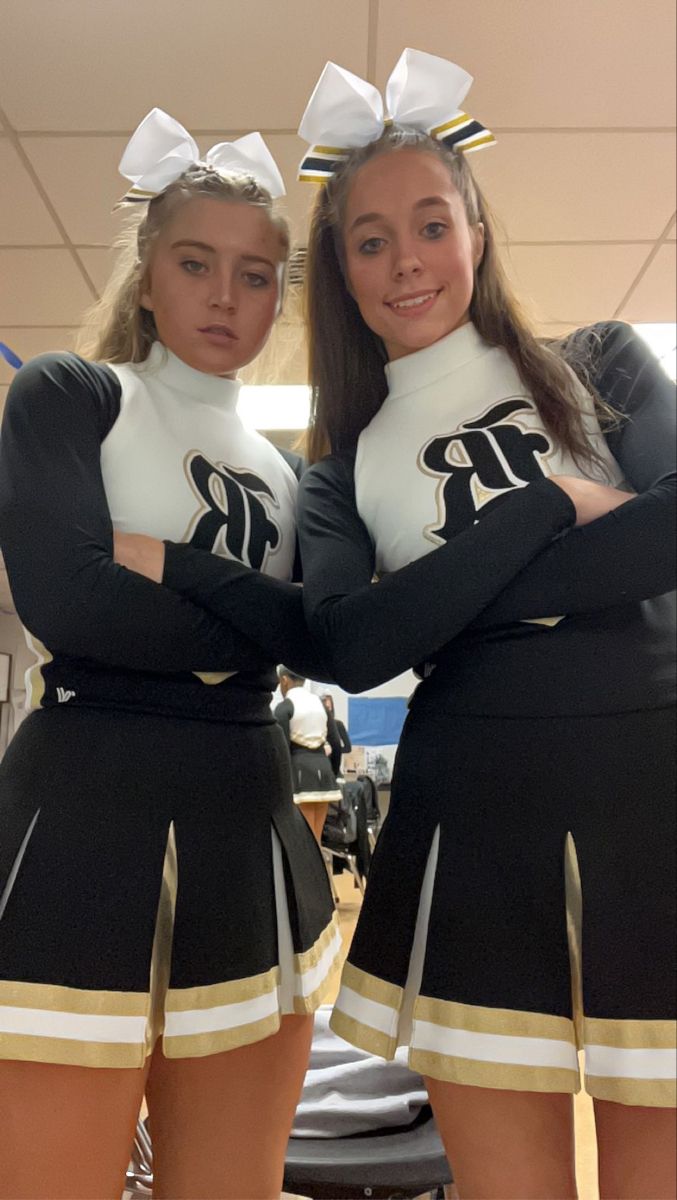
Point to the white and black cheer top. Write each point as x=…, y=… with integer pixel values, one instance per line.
x=516, y=612
x=156, y=448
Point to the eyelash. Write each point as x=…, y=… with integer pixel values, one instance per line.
x=188, y=263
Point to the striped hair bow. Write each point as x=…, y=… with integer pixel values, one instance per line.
x=160, y=150
x=424, y=92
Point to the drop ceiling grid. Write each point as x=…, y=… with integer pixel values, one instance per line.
x=581, y=97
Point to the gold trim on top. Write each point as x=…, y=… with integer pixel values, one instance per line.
x=35, y=680
x=371, y=987
x=642, y=1093
x=506, y=1022
x=504, y=1076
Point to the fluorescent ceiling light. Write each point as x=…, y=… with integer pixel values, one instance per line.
x=285, y=406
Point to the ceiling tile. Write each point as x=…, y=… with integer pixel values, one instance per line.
x=98, y=264
x=103, y=65
x=545, y=62
x=578, y=187
x=28, y=342
x=654, y=297
x=82, y=179
x=80, y=174
x=24, y=220
x=41, y=287
x=573, y=285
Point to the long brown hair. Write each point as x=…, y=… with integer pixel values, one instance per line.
x=346, y=358
x=117, y=329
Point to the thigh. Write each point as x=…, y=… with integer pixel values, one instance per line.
x=637, y=1151
x=220, y=1124
x=506, y=1145
x=66, y=1132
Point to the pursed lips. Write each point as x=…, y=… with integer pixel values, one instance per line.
x=223, y=331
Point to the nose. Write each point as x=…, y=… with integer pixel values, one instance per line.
x=406, y=261
x=222, y=293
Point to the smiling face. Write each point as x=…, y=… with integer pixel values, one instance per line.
x=409, y=250
x=213, y=283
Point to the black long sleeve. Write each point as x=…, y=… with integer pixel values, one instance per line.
x=629, y=554
x=268, y=610
x=56, y=536
x=335, y=745
x=374, y=632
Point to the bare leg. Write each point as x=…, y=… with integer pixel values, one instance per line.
x=505, y=1145
x=220, y=1124
x=66, y=1132
x=637, y=1152
x=316, y=815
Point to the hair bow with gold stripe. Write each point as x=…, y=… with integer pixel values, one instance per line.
x=424, y=92
x=160, y=150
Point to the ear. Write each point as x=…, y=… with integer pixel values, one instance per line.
x=145, y=297
x=477, y=233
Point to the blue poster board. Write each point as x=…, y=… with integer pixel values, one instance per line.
x=373, y=721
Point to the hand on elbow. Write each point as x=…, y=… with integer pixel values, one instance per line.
x=139, y=553
x=591, y=500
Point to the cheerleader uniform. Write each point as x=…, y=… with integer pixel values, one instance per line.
x=539, y=744
x=303, y=718
x=155, y=877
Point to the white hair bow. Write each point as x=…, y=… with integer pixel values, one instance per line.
x=160, y=150
x=424, y=92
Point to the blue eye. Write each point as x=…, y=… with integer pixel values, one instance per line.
x=255, y=280
x=434, y=230
x=371, y=246
x=192, y=266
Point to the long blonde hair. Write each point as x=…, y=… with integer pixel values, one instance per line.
x=117, y=329
x=346, y=358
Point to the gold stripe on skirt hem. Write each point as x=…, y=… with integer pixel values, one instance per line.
x=200, y=1045
x=55, y=998
x=504, y=1076
x=508, y=1022
x=307, y=959
x=65, y=1052
x=640, y=1093
x=629, y=1035
x=363, y=1036
x=372, y=988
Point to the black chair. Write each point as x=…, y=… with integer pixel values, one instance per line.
x=404, y=1162
x=340, y=834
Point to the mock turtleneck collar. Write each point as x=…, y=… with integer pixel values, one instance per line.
x=174, y=373
x=423, y=367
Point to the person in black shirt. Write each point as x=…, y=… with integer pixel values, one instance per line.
x=344, y=743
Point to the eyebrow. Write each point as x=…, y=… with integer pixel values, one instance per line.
x=254, y=258
x=426, y=202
